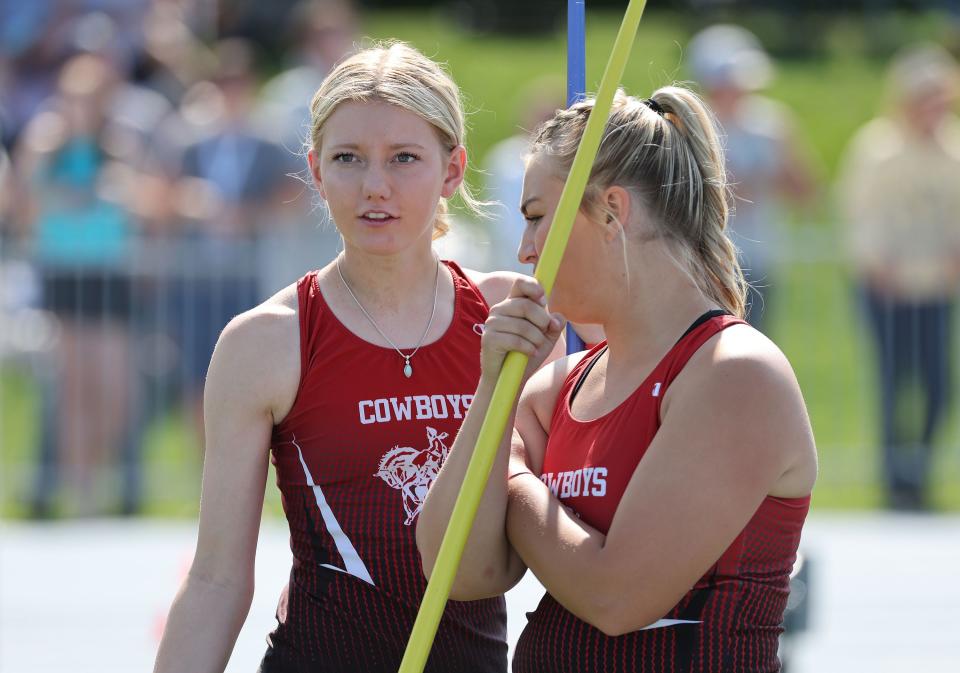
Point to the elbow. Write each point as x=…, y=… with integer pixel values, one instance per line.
x=619, y=624
x=607, y=617
x=487, y=583
x=617, y=614
x=474, y=587
x=613, y=626
x=465, y=596
x=458, y=592
x=469, y=584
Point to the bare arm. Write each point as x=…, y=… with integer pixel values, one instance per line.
x=249, y=373
x=735, y=431
x=488, y=566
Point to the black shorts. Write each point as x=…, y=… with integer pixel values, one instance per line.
x=88, y=294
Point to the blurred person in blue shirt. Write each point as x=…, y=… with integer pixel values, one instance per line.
x=766, y=165
x=231, y=178
x=504, y=168
x=75, y=217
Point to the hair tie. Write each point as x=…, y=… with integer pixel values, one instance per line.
x=653, y=105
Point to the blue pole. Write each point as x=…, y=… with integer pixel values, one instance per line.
x=576, y=90
x=576, y=51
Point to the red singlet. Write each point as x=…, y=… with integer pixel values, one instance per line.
x=737, y=606
x=354, y=459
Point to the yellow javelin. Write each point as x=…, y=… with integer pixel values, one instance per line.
x=508, y=384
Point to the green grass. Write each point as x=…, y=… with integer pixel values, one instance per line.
x=815, y=321
x=832, y=92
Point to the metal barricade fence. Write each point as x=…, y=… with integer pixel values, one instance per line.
x=161, y=312
x=166, y=306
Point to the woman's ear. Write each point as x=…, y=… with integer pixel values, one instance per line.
x=313, y=161
x=454, y=172
x=617, y=205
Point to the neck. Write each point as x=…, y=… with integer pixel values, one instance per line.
x=390, y=282
x=657, y=303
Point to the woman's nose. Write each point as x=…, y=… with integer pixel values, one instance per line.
x=376, y=184
x=527, y=253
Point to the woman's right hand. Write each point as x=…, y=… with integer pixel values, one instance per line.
x=521, y=323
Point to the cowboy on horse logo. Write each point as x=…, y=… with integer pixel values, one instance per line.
x=411, y=471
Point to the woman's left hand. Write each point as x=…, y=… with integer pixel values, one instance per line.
x=520, y=323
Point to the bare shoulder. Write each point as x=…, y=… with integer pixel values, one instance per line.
x=741, y=383
x=257, y=356
x=495, y=285
x=747, y=355
x=543, y=388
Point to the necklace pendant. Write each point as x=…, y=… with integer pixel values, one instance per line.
x=407, y=369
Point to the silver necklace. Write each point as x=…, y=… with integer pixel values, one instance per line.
x=407, y=367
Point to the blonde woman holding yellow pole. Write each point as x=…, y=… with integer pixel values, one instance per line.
x=656, y=485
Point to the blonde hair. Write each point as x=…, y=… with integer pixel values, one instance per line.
x=398, y=74
x=671, y=161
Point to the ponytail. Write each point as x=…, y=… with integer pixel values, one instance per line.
x=666, y=149
x=705, y=204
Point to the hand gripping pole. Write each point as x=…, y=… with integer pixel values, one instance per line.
x=508, y=384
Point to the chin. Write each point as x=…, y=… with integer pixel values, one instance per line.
x=380, y=243
x=575, y=309
x=560, y=302
x=386, y=242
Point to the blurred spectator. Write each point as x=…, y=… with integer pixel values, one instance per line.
x=900, y=192
x=259, y=22
x=504, y=167
x=126, y=118
x=230, y=179
x=321, y=33
x=74, y=215
x=764, y=160
x=300, y=237
x=37, y=37
x=172, y=59
x=33, y=46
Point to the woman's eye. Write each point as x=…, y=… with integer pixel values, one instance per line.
x=344, y=157
x=533, y=220
x=406, y=158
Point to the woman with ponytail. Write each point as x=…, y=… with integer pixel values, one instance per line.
x=657, y=484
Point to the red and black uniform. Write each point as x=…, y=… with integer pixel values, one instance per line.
x=730, y=621
x=354, y=459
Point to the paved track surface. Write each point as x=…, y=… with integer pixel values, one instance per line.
x=87, y=597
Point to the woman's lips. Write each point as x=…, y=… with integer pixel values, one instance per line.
x=378, y=219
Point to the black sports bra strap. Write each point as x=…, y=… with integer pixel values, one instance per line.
x=583, y=374
x=709, y=315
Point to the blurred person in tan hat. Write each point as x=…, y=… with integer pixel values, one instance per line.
x=900, y=195
x=766, y=164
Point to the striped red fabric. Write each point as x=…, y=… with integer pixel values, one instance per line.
x=739, y=602
x=354, y=459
